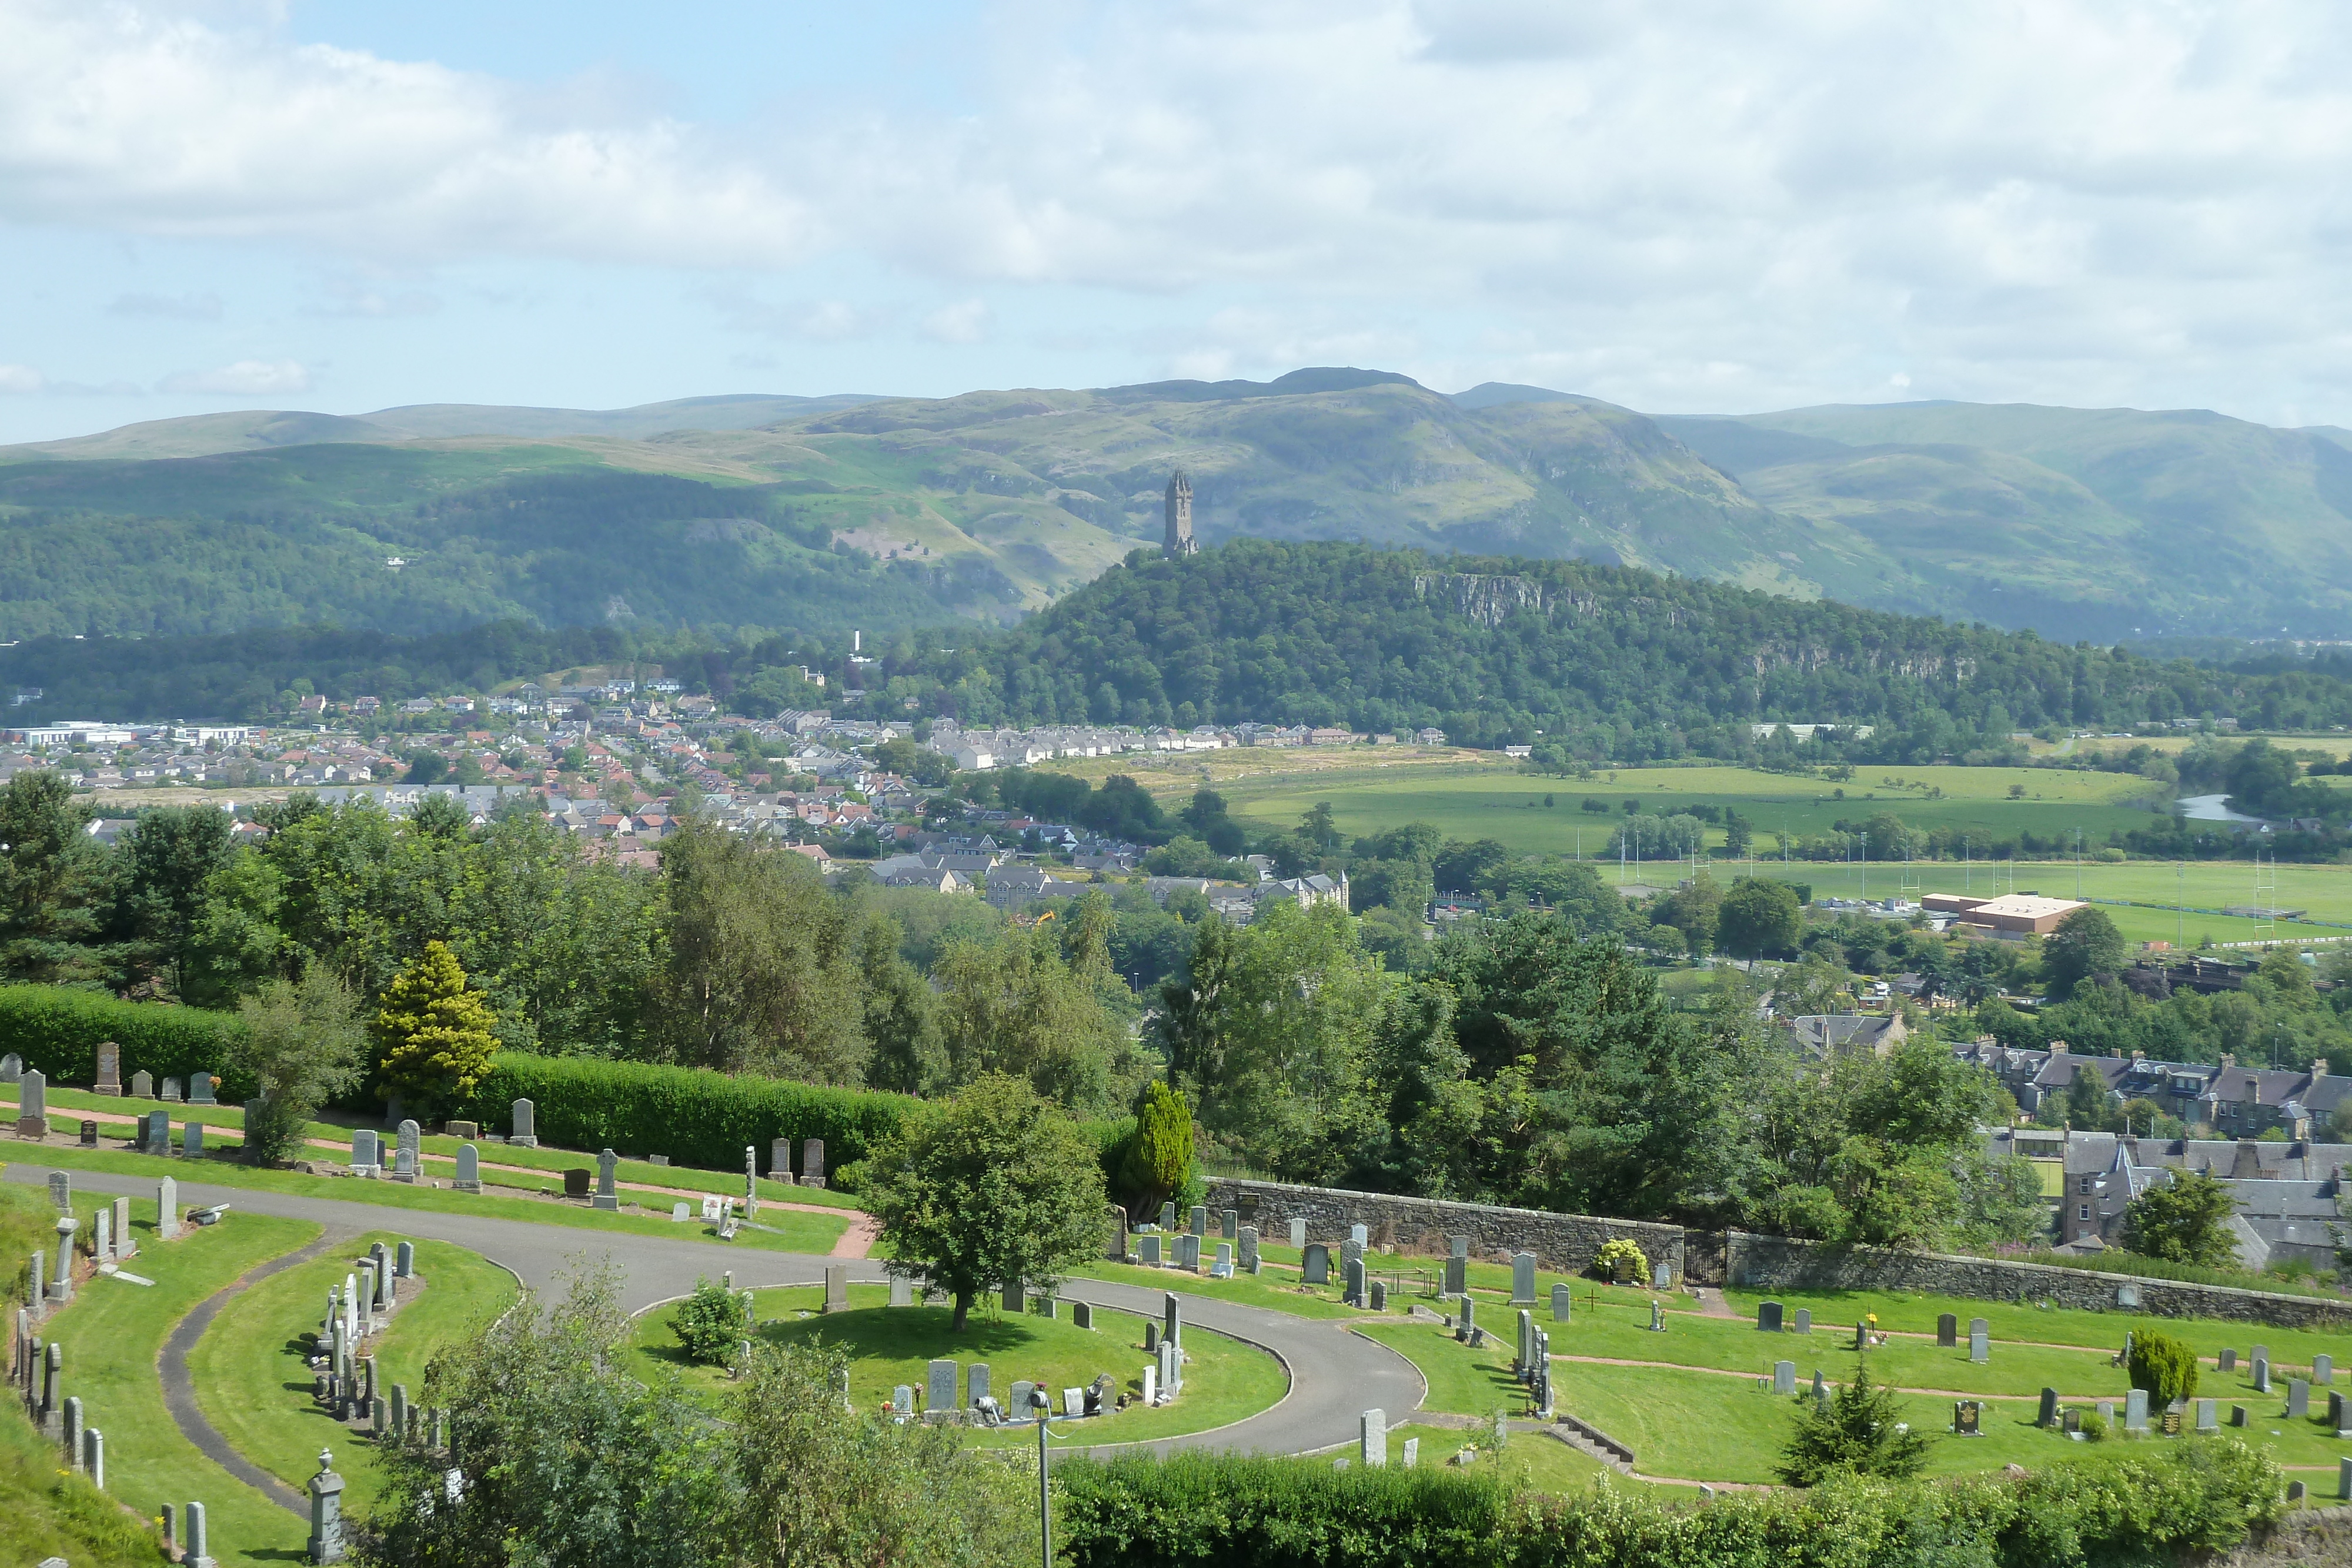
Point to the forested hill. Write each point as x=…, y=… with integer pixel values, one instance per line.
x=1610, y=662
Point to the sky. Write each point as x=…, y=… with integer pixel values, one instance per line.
x=1680, y=205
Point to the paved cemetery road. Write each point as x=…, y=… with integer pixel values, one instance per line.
x=1335, y=1375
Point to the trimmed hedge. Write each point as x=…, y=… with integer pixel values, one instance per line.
x=696, y=1117
x=2193, y=1497
x=58, y=1030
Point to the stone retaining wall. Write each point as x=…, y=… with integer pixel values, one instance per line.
x=1563, y=1242
x=1778, y=1263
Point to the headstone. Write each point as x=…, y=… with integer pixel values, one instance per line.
x=2136, y=1410
x=837, y=1287
x=2049, y=1408
x=608, y=1196
x=1457, y=1276
x=2262, y=1371
x=1563, y=1303
x=750, y=1179
x=1947, y=1332
x=2323, y=1369
x=1804, y=1321
x=2237, y=1414
x=1082, y=1315
x=2339, y=1412
x=2070, y=1419
x=1372, y=1438
x=680, y=1213
x=103, y=1235
x=2260, y=1352
x=1768, y=1317
x=61, y=1288
x=1315, y=1268
x=811, y=1162
x=522, y=1124
x=2128, y=1296
x=1968, y=1417
x=1820, y=1387
x=71, y=1431
x=1151, y=1384
x=326, y=1512
x=1784, y=1377
x=110, y=1070
x=1657, y=1317
x=1074, y=1403
x=191, y=1138
x=11, y=1069
x=902, y=1290
x=902, y=1400
x=124, y=1247
x=167, y=1210
x=1147, y=1250
x=31, y=1106
x=90, y=1132
x=975, y=1384
x=400, y=1412
x=1016, y=1300
x=940, y=1386
x=1350, y=1247
x=1115, y=1233
x=1377, y=1297
x=1152, y=1338
x=1662, y=1276
x=467, y=1131
x=1411, y=1452
x=2296, y=1492
x=1172, y=1365
x=2206, y=1420
x=1168, y=1217
x=93, y=1456
x=1980, y=1341
x=1231, y=1226
x=171, y=1091
x=469, y=1169
x=1222, y=1267
x=404, y=1260
x=1200, y=1220
x=1523, y=1279
x=780, y=1160
x=1188, y=1251
x=1457, y=1247
x=1298, y=1233
x=364, y=1152
x=142, y=1085
x=2298, y=1399
x=2107, y=1412
x=1018, y=1408
x=1352, y=1286
x=1248, y=1259
x=191, y=1549
x=2229, y=1359
x=61, y=1192
x=578, y=1182
x=1049, y=1307
x=1361, y=1235
x=200, y=1088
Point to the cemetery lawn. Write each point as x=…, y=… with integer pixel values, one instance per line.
x=1277, y=1291
x=250, y=1370
x=113, y=1333
x=799, y=1231
x=1461, y=1381
x=1224, y=1380
x=1544, y=1464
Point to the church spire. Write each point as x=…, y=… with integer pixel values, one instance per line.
x=1180, y=541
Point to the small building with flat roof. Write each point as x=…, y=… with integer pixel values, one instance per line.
x=2015, y=916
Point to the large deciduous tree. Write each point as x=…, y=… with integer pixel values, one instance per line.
x=2183, y=1220
x=303, y=1043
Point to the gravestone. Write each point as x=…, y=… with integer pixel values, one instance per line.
x=1372, y=1438
x=1074, y=1403
x=680, y=1213
x=608, y=1164
x=2298, y=1399
x=364, y=1152
x=1351, y=1291
x=469, y=1169
x=1411, y=1452
x=61, y=1191
x=1804, y=1321
x=167, y=1210
x=11, y=1069
x=2323, y=1369
x=750, y=1179
x=1188, y=1251
x=1563, y=1303
x=837, y=1287
x=31, y=1106
x=61, y=1287
x=1523, y=1279
x=1151, y=1383
x=1657, y=1317
x=1361, y=1235
x=902, y=1400
x=1049, y=1307
x=90, y=1132
x=2296, y=1492
x=1199, y=1225
x=103, y=1235
x=1171, y=1324
x=1298, y=1233
x=780, y=1160
x=193, y=1549
x=1820, y=1387
x=2229, y=1360
x=2262, y=1371
x=1172, y=1366
x=1350, y=1247
x=1248, y=1259
x=2128, y=1296
x=2343, y=1479
x=975, y=1384
x=110, y=1071
x=812, y=1162
x=409, y=1142
x=1019, y=1407
x=2107, y=1412
x=1768, y=1317
x=1316, y=1266
x=171, y=1091
x=578, y=1182
x=2206, y=1420
x=2136, y=1410
x=2070, y=1419
x=1457, y=1276
x=125, y=1247
x=1378, y=1297
x=1222, y=1268
x=1168, y=1216
x=1980, y=1341
x=2260, y=1352
x=1784, y=1377
x=192, y=1139
x=326, y=1512
x=2049, y=1408
x=940, y=1386
x=1082, y=1315
x=1968, y=1418
x=1947, y=1332
x=522, y=1124
x=2237, y=1414
x=1147, y=1250
x=1232, y=1224
x=142, y=1085
x=902, y=1290
x=1016, y=1298
x=1151, y=1337
x=200, y=1088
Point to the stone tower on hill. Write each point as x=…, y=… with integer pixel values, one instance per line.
x=1180, y=540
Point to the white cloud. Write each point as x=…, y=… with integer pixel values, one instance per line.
x=21, y=379
x=246, y=377
x=174, y=306
x=799, y=320
x=966, y=321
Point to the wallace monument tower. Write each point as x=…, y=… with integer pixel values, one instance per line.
x=1180, y=540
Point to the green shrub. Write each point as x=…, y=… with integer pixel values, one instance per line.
x=58, y=1030
x=2094, y=1426
x=2163, y=1365
x=709, y=1323
x=2187, y=1499
x=696, y=1118
x=1604, y=1262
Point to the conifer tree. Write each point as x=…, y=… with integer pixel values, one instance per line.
x=434, y=1033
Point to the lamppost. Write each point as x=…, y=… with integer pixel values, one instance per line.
x=1042, y=1404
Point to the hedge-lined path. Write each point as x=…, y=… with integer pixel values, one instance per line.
x=1335, y=1376
x=857, y=1241
x=180, y=1389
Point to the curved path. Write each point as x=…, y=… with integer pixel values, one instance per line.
x=1335, y=1375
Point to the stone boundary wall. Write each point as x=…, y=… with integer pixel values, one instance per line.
x=1562, y=1242
x=1775, y=1262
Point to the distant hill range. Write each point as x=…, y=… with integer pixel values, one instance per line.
x=825, y=513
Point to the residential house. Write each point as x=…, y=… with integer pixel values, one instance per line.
x=1848, y=1034
x=2289, y=1194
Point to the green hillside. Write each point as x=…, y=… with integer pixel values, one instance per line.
x=2109, y=522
